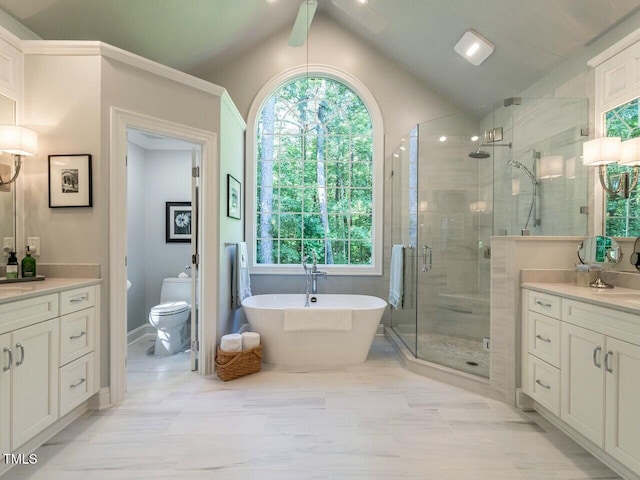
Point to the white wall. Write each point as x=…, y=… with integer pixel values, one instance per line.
x=231, y=230
x=168, y=179
x=403, y=99
x=136, y=261
x=68, y=101
x=153, y=178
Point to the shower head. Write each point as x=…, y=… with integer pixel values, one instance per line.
x=479, y=154
x=483, y=153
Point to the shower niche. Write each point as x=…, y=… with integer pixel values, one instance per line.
x=452, y=190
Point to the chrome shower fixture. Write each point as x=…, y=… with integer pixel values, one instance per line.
x=483, y=153
x=517, y=164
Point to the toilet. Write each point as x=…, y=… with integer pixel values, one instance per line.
x=171, y=315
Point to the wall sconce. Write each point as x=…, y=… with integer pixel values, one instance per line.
x=603, y=151
x=18, y=141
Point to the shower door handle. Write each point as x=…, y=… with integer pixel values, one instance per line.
x=427, y=259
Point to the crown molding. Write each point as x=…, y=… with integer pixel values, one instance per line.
x=91, y=48
x=614, y=49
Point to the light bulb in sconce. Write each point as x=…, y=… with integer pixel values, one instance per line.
x=600, y=152
x=19, y=142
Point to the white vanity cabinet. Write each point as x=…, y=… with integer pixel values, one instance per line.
x=34, y=380
x=47, y=365
x=598, y=392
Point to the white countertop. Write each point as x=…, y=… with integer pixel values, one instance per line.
x=10, y=292
x=618, y=298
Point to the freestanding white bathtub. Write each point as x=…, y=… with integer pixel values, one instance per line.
x=334, y=331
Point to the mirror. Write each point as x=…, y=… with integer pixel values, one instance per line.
x=7, y=192
x=599, y=252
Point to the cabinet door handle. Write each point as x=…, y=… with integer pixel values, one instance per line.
x=540, y=337
x=8, y=366
x=606, y=361
x=20, y=347
x=74, y=385
x=548, y=387
x=542, y=304
x=73, y=337
x=596, y=350
x=83, y=298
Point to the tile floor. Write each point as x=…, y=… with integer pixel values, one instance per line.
x=373, y=421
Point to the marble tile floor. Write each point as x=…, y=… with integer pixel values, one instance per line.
x=373, y=421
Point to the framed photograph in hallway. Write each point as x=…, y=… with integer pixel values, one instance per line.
x=178, y=220
x=234, y=190
x=70, y=181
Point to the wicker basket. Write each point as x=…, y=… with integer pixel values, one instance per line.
x=232, y=365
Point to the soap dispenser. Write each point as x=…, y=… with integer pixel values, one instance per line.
x=28, y=265
x=12, y=266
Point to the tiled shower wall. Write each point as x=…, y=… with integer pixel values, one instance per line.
x=548, y=126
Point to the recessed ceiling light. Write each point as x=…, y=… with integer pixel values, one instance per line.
x=475, y=138
x=271, y=1
x=362, y=2
x=443, y=138
x=473, y=47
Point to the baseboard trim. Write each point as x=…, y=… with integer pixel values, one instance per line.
x=101, y=400
x=140, y=332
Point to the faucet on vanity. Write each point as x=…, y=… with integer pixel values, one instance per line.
x=311, y=275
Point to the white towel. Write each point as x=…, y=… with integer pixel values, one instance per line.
x=396, y=276
x=250, y=340
x=317, y=319
x=241, y=279
x=231, y=343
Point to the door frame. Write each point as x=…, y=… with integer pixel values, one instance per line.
x=121, y=120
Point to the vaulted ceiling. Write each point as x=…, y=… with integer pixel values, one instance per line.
x=532, y=37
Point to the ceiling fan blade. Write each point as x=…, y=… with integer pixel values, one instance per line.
x=303, y=21
x=363, y=14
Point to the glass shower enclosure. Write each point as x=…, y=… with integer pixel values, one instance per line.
x=456, y=182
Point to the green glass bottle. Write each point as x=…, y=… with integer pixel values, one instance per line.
x=28, y=265
x=12, y=265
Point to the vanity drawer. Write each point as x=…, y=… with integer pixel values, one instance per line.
x=77, y=334
x=77, y=383
x=544, y=304
x=544, y=384
x=77, y=299
x=544, y=338
x=22, y=313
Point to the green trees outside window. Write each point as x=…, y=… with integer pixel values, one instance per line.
x=314, y=175
x=623, y=214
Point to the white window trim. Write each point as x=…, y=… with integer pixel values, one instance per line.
x=378, y=170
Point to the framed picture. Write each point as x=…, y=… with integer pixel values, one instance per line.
x=178, y=222
x=70, y=181
x=233, y=197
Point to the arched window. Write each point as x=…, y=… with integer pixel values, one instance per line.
x=316, y=179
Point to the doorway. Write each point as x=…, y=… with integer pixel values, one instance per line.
x=161, y=230
x=204, y=177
